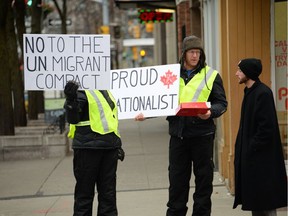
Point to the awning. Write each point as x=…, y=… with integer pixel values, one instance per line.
x=153, y=4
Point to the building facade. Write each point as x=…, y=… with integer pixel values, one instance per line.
x=231, y=30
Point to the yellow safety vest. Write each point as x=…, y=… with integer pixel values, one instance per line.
x=196, y=89
x=102, y=119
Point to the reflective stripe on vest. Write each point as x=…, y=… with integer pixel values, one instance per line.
x=72, y=127
x=101, y=120
x=83, y=123
x=100, y=109
x=196, y=89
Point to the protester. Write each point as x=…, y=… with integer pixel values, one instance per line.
x=192, y=137
x=260, y=174
x=97, y=147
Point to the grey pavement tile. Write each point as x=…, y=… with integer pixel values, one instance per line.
x=25, y=177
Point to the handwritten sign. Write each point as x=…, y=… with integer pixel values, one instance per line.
x=152, y=91
x=52, y=60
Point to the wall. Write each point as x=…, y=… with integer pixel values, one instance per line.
x=245, y=32
x=183, y=23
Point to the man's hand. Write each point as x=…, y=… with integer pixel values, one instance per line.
x=70, y=90
x=205, y=116
x=140, y=117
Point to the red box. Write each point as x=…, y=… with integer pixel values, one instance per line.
x=192, y=108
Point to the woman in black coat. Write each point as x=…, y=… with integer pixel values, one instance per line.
x=260, y=174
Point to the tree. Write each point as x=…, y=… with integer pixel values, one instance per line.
x=35, y=98
x=88, y=16
x=6, y=109
x=15, y=60
x=63, y=15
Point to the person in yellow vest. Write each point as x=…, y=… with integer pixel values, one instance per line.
x=192, y=137
x=93, y=119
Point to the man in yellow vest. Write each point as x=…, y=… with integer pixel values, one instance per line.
x=192, y=137
x=93, y=120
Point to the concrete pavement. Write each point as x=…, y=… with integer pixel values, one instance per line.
x=45, y=186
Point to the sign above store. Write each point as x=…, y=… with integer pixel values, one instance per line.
x=150, y=16
x=126, y=4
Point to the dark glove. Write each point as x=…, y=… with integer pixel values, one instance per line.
x=121, y=154
x=70, y=90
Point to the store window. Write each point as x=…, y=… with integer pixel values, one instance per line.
x=281, y=73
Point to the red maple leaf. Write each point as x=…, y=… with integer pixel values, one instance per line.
x=169, y=78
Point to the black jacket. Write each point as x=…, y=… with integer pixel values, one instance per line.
x=77, y=111
x=192, y=126
x=260, y=176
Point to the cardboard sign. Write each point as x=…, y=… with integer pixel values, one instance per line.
x=153, y=91
x=52, y=60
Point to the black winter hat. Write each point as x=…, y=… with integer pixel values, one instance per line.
x=191, y=42
x=251, y=67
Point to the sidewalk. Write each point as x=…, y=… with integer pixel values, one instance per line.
x=45, y=187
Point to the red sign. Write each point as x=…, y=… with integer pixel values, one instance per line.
x=146, y=16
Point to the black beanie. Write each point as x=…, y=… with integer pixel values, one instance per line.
x=251, y=67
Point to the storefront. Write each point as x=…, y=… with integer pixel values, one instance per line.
x=232, y=30
x=280, y=74
x=248, y=29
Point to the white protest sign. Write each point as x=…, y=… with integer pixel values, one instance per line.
x=50, y=60
x=152, y=91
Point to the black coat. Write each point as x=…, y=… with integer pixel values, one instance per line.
x=85, y=138
x=193, y=126
x=260, y=175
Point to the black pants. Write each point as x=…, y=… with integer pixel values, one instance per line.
x=182, y=154
x=265, y=213
x=95, y=167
